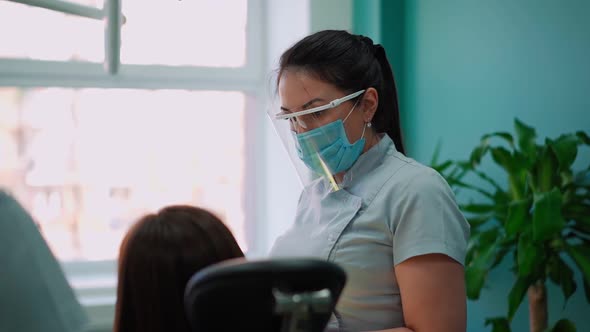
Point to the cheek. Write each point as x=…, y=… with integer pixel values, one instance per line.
x=354, y=126
x=353, y=130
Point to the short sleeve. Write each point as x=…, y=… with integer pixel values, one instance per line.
x=428, y=220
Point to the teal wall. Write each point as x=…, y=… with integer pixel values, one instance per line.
x=468, y=67
x=385, y=23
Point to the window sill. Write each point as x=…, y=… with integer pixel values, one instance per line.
x=95, y=286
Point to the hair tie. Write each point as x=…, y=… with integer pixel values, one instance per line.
x=378, y=51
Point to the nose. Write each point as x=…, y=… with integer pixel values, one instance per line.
x=298, y=127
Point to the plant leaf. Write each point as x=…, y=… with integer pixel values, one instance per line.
x=518, y=213
x=478, y=153
x=488, y=179
x=526, y=138
x=499, y=324
x=503, y=158
x=547, y=218
x=474, y=280
x=478, y=208
x=461, y=184
x=545, y=169
x=553, y=269
x=479, y=220
x=502, y=197
x=504, y=135
x=500, y=255
x=529, y=256
x=435, y=155
x=516, y=295
x=581, y=255
x=582, y=178
x=587, y=289
x=565, y=148
x=583, y=137
x=581, y=219
x=566, y=280
x=481, y=253
x=442, y=167
x=516, y=166
x=563, y=325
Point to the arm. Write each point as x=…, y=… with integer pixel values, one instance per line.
x=432, y=289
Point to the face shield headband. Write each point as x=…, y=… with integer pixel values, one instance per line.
x=295, y=116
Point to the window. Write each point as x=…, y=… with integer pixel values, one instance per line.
x=54, y=36
x=87, y=152
x=88, y=162
x=178, y=33
x=206, y=77
x=203, y=33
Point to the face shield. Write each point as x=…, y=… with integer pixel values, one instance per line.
x=315, y=140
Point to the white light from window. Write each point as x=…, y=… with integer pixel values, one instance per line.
x=208, y=33
x=92, y=161
x=41, y=34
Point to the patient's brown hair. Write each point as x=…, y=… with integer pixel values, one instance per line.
x=157, y=257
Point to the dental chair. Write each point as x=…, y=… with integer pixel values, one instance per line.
x=286, y=295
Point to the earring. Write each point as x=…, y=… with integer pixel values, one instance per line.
x=369, y=125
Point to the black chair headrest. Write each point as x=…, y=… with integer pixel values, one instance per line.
x=263, y=295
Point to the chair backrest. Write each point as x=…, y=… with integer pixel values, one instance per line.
x=264, y=295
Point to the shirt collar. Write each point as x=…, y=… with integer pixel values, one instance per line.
x=369, y=160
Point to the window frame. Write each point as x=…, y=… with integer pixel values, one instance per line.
x=95, y=281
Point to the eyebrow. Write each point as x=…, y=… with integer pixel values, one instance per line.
x=314, y=100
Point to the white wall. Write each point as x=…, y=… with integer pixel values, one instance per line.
x=288, y=21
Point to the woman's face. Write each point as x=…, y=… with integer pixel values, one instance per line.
x=300, y=91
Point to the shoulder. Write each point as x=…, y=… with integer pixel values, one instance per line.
x=8, y=204
x=4, y=196
x=413, y=178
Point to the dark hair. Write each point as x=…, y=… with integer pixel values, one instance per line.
x=157, y=257
x=351, y=63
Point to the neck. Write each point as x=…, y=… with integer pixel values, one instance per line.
x=371, y=140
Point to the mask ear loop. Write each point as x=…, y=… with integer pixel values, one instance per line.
x=349, y=113
x=364, y=128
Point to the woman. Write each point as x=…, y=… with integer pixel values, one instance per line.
x=157, y=257
x=389, y=221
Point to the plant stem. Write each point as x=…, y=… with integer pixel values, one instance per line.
x=537, y=294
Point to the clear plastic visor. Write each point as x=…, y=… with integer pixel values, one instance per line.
x=310, y=122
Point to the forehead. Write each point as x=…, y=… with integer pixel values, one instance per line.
x=296, y=87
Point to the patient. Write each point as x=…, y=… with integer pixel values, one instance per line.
x=34, y=292
x=157, y=257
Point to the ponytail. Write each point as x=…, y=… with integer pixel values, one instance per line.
x=387, y=117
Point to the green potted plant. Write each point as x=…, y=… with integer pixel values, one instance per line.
x=539, y=216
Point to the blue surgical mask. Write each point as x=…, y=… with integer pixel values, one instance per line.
x=329, y=143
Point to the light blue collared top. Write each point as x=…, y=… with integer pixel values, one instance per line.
x=390, y=208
